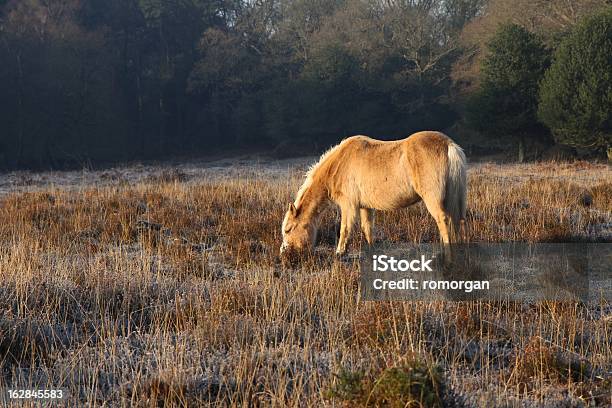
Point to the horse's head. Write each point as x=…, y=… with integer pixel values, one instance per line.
x=299, y=234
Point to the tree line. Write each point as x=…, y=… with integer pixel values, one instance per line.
x=89, y=81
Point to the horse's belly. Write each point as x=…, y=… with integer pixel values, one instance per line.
x=407, y=201
x=386, y=197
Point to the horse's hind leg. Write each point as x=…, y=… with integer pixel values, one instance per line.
x=367, y=223
x=348, y=218
x=442, y=218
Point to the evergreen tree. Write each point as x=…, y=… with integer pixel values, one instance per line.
x=576, y=93
x=506, y=104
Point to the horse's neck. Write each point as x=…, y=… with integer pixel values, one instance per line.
x=313, y=202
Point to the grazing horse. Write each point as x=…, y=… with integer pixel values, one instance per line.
x=362, y=174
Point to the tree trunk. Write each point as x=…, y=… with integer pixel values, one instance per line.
x=521, y=150
x=20, y=114
x=139, y=101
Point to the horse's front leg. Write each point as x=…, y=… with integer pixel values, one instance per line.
x=367, y=223
x=348, y=217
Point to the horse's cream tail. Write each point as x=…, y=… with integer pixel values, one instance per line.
x=456, y=191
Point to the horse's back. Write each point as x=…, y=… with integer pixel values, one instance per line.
x=418, y=148
x=428, y=141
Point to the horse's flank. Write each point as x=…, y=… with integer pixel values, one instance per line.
x=362, y=174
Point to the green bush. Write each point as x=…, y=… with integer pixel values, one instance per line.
x=576, y=92
x=413, y=384
x=506, y=103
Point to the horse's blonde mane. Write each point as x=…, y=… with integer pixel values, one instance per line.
x=309, y=176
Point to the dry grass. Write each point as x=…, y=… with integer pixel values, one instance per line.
x=169, y=291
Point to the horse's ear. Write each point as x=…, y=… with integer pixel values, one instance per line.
x=292, y=209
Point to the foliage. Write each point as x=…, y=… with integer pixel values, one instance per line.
x=506, y=103
x=89, y=81
x=413, y=384
x=576, y=93
x=93, y=80
x=549, y=19
x=349, y=386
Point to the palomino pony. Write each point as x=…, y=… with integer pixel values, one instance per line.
x=362, y=174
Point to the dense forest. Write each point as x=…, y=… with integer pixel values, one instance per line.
x=91, y=81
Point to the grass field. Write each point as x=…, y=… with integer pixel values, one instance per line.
x=162, y=286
